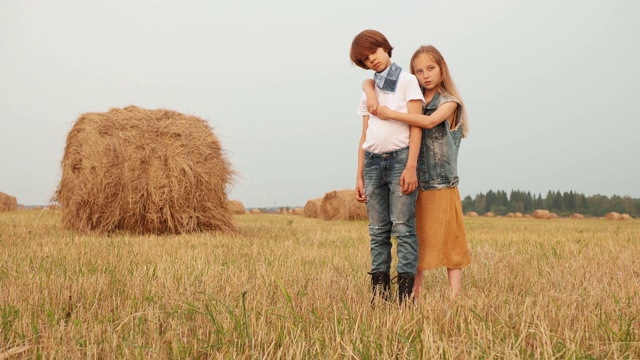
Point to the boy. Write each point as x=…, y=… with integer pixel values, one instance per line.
x=387, y=165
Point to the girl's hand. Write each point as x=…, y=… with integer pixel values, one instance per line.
x=384, y=113
x=372, y=105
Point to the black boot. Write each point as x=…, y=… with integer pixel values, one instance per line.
x=405, y=286
x=380, y=285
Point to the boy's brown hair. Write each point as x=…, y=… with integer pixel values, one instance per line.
x=365, y=44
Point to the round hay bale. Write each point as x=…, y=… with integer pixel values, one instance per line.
x=542, y=214
x=342, y=205
x=518, y=215
x=489, y=214
x=527, y=216
x=613, y=216
x=236, y=207
x=625, y=217
x=510, y=215
x=8, y=202
x=577, y=216
x=312, y=208
x=471, y=214
x=144, y=171
x=553, y=215
x=255, y=211
x=297, y=211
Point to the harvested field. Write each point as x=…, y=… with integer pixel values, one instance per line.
x=70, y=295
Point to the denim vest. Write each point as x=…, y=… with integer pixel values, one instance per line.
x=438, y=161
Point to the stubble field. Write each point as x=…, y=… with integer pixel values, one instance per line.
x=291, y=287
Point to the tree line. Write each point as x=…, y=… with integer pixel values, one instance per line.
x=563, y=204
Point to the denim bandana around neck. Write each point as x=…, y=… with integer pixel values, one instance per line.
x=388, y=79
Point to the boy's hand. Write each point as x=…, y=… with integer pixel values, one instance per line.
x=360, y=195
x=383, y=113
x=408, y=180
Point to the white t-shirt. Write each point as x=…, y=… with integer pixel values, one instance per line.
x=388, y=135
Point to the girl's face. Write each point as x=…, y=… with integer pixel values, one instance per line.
x=427, y=72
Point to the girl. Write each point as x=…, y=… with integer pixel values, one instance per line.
x=439, y=222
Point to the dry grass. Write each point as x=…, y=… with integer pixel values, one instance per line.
x=296, y=287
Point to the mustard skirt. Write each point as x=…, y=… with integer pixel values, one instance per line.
x=442, y=240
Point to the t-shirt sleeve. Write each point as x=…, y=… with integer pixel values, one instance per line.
x=412, y=89
x=362, y=105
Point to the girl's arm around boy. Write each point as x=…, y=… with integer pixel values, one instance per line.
x=409, y=178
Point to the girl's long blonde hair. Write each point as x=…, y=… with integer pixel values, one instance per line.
x=446, y=84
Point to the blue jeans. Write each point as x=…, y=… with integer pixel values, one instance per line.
x=390, y=212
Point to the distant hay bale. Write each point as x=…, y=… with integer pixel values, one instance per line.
x=8, y=202
x=255, y=211
x=342, y=205
x=236, y=207
x=312, y=208
x=542, y=214
x=144, y=171
x=518, y=215
x=613, y=216
x=625, y=217
x=510, y=215
x=489, y=214
x=577, y=216
x=297, y=211
x=527, y=216
x=471, y=214
x=553, y=215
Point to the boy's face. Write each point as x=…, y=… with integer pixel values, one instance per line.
x=378, y=61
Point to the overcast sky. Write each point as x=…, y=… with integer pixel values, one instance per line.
x=552, y=87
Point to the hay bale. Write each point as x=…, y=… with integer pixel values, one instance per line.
x=297, y=211
x=542, y=214
x=518, y=215
x=236, y=207
x=471, y=214
x=8, y=202
x=489, y=214
x=144, y=171
x=255, y=211
x=312, y=208
x=553, y=215
x=510, y=215
x=577, y=216
x=625, y=217
x=613, y=216
x=342, y=205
